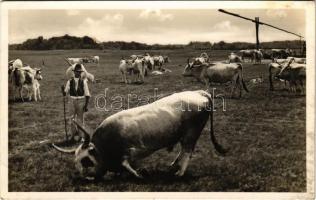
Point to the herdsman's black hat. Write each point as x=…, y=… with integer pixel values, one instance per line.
x=78, y=68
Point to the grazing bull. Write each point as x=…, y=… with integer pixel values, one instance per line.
x=70, y=72
x=234, y=58
x=130, y=135
x=293, y=72
x=217, y=73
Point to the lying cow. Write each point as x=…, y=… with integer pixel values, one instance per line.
x=217, y=73
x=234, y=58
x=130, y=135
x=293, y=72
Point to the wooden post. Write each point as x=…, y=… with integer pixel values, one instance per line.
x=257, y=33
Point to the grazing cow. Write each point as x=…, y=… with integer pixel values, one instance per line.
x=217, y=73
x=234, y=58
x=131, y=135
x=70, y=73
x=293, y=72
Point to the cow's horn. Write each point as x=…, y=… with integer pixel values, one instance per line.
x=188, y=60
x=86, y=133
x=64, y=150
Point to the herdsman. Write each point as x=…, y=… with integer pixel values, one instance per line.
x=78, y=90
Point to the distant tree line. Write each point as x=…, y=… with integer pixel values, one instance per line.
x=86, y=42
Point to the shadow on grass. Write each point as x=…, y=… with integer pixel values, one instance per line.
x=152, y=177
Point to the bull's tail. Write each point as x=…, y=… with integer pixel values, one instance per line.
x=241, y=78
x=217, y=146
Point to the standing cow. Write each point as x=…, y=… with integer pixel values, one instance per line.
x=218, y=73
x=294, y=73
x=133, y=134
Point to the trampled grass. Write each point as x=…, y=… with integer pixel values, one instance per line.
x=264, y=131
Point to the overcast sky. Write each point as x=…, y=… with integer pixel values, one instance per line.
x=155, y=26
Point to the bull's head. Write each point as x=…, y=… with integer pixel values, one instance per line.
x=87, y=160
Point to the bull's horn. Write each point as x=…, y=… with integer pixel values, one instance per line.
x=86, y=133
x=64, y=150
x=67, y=61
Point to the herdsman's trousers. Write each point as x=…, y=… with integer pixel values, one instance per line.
x=76, y=113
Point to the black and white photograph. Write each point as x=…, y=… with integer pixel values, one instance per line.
x=157, y=100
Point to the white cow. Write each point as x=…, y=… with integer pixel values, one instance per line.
x=125, y=67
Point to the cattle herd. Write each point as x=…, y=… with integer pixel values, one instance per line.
x=132, y=134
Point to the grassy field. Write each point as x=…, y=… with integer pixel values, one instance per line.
x=264, y=131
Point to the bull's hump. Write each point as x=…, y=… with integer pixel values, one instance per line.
x=168, y=108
